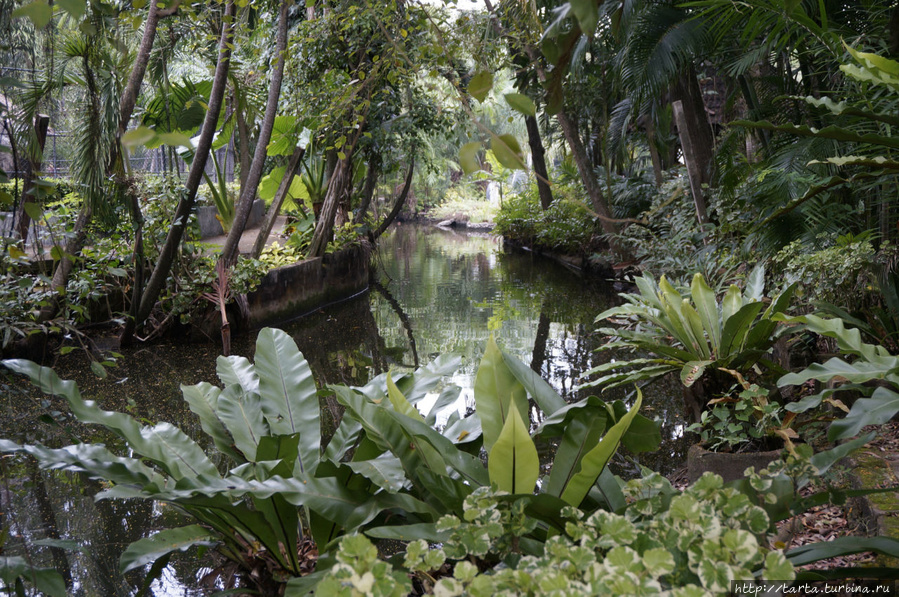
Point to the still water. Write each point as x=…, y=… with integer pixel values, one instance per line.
x=433, y=292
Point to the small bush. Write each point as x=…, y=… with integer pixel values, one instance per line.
x=567, y=226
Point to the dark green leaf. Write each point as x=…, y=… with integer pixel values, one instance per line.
x=145, y=551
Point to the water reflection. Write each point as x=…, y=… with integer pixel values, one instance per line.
x=433, y=292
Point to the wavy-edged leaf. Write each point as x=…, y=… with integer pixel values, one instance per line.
x=842, y=546
x=385, y=472
x=410, y=532
x=202, y=399
x=513, y=463
x=164, y=444
x=239, y=371
x=146, y=551
x=242, y=416
x=289, y=396
x=876, y=410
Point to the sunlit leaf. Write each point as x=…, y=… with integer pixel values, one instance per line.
x=468, y=157
x=480, y=85
x=507, y=151
x=137, y=137
x=521, y=103
x=76, y=8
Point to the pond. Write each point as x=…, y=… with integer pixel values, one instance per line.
x=433, y=292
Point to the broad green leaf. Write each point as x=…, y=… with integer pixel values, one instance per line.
x=587, y=14
x=269, y=184
x=694, y=325
x=731, y=303
x=521, y=103
x=411, y=532
x=385, y=472
x=138, y=137
x=175, y=139
x=468, y=157
x=513, y=463
x=39, y=11
x=480, y=85
x=496, y=392
x=146, y=551
x=289, y=396
x=507, y=151
x=595, y=460
x=547, y=399
x=822, y=461
x=755, y=284
x=582, y=428
x=399, y=402
x=736, y=328
x=46, y=580
x=76, y=8
x=693, y=370
x=33, y=210
x=707, y=307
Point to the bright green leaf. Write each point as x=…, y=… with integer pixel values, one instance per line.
x=507, y=151
x=468, y=157
x=40, y=12
x=521, y=103
x=480, y=85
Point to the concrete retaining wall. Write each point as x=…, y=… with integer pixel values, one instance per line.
x=292, y=291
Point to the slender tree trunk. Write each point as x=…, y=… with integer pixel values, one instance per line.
x=697, y=123
x=538, y=155
x=243, y=144
x=598, y=200
x=33, y=165
x=248, y=191
x=182, y=213
x=268, y=222
x=398, y=205
x=368, y=190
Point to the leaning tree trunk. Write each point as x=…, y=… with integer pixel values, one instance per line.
x=538, y=155
x=268, y=222
x=126, y=108
x=687, y=90
x=398, y=204
x=248, y=191
x=197, y=167
x=368, y=189
x=324, y=226
x=569, y=129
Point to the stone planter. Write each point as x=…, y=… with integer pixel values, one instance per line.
x=729, y=465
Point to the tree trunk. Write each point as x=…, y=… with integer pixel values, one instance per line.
x=654, y=151
x=694, y=167
x=268, y=222
x=243, y=145
x=538, y=155
x=33, y=164
x=697, y=123
x=248, y=191
x=324, y=226
x=368, y=190
x=398, y=204
x=603, y=212
x=185, y=206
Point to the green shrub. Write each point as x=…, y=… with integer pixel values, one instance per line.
x=566, y=227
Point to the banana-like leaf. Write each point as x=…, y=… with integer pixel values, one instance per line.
x=860, y=371
x=697, y=331
x=203, y=401
x=513, y=463
x=164, y=444
x=289, y=397
x=595, y=460
x=496, y=393
x=146, y=551
x=46, y=580
x=755, y=284
x=876, y=410
x=826, y=459
x=399, y=402
x=731, y=303
x=386, y=472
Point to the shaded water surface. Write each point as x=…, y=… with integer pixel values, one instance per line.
x=433, y=292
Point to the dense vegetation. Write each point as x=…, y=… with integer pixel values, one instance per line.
x=739, y=155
